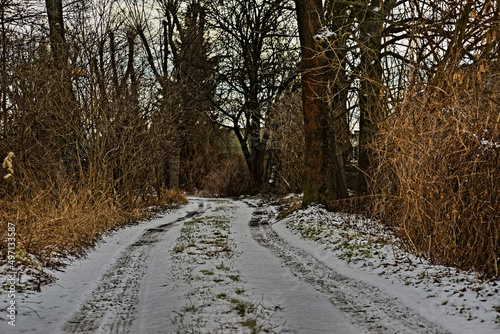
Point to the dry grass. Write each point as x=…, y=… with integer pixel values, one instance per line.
x=60, y=223
x=438, y=179
x=171, y=197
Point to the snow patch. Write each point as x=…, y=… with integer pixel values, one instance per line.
x=465, y=303
x=324, y=34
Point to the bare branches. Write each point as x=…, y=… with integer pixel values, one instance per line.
x=256, y=62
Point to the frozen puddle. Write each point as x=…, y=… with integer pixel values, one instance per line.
x=214, y=266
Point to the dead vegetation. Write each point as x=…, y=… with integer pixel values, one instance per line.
x=52, y=225
x=230, y=177
x=286, y=147
x=91, y=154
x=437, y=175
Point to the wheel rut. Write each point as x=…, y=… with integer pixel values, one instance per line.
x=367, y=305
x=111, y=307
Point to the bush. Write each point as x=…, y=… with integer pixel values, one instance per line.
x=54, y=224
x=230, y=177
x=437, y=179
x=170, y=197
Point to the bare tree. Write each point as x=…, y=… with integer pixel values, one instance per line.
x=176, y=51
x=255, y=46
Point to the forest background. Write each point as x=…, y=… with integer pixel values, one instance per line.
x=389, y=108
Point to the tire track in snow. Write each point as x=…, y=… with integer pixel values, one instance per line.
x=111, y=308
x=366, y=304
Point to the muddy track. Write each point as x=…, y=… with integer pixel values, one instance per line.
x=111, y=308
x=358, y=299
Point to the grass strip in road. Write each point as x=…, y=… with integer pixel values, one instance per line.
x=203, y=257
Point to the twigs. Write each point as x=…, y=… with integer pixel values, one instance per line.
x=439, y=177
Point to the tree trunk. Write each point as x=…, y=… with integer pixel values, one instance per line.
x=56, y=32
x=324, y=172
x=174, y=169
x=254, y=150
x=257, y=151
x=371, y=90
x=67, y=122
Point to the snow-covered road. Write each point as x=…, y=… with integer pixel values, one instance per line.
x=217, y=266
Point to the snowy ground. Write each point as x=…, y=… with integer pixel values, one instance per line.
x=224, y=266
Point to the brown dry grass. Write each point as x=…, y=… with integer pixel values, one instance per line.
x=170, y=197
x=438, y=178
x=60, y=223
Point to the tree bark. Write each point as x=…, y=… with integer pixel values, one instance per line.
x=371, y=92
x=56, y=32
x=67, y=121
x=324, y=174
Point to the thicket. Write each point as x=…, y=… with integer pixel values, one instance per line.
x=229, y=177
x=286, y=145
x=90, y=154
x=417, y=83
x=54, y=224
x=437, y=175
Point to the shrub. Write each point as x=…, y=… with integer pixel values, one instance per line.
x=437, y=178
x=286, y=146
x=61, y=222
x=230, y=177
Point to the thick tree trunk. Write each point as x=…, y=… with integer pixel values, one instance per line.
x=324, y=173
x=56, y=32
x=254, y=150
x=371, y=96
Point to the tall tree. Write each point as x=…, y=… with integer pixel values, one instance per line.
x=56, y=32
x=176, y=51
x=371, y=92
x=324, y=174
x=193, y=75
x=255, y=44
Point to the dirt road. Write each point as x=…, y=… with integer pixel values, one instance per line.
x=214, y=266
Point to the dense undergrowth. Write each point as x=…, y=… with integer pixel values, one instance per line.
x=437, y=177
x=53, y=225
